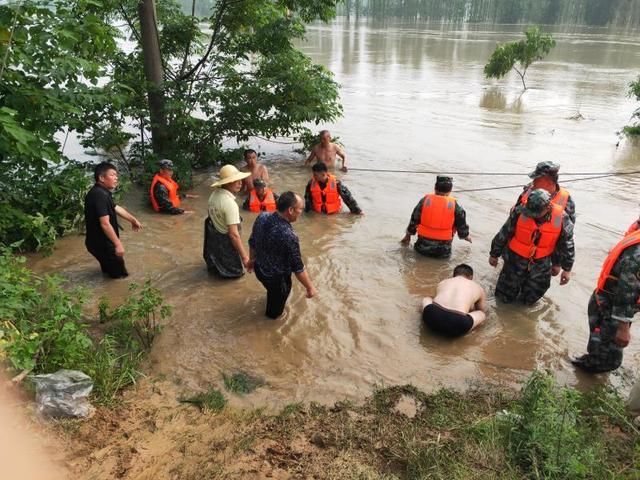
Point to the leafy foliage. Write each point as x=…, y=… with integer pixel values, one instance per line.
x=634, y=91
x=242, y=382
x=212, y=400
x=42, y=328
x=534, y=47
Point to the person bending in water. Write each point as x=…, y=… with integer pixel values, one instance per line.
x=458, y=306
x=326, y=152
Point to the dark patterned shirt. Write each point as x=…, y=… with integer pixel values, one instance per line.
x=276, y=246
x=343, y=191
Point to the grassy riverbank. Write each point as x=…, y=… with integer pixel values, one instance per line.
x=542, y=431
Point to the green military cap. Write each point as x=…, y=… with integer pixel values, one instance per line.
x=537, y=203
x=545, y=168
x=258, y=182
x=166, y=164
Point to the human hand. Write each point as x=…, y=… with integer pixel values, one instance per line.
x=493, y=261
x=188, y=212
x=359, y=213
x=555, y=270
x=468, y=239
x=191, y=195
x=565, y=277
x=246, y=262
x=250, y=265
x=623, y=334
x=344, y=168
x=311, y=292
x=119, y=250
x=136, y=225
x=406, y=239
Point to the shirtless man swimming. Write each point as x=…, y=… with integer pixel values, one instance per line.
x=257, y=170
x=326, y=152
x=458, y=306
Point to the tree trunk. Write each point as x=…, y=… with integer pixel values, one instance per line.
x=154, y=75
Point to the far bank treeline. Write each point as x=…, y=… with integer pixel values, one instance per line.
x=114, y=70
x=621, y=13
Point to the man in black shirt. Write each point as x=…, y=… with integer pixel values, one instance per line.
x=103, y=235
x=275, y=253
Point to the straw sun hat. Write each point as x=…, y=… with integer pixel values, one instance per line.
x=229, y=174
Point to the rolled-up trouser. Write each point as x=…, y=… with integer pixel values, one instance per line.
x=519, y=279
x=110, y=263
x=278, y=290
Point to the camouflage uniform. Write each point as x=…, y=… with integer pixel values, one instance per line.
x=617, y=303
x=524, y=278
x=437, y=248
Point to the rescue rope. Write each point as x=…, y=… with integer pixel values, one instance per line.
x=489, y=174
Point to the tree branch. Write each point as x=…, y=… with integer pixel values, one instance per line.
x=188, y=49
x=130, y=23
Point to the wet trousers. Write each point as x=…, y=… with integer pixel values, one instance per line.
x=278, y=290
x=433, y=248
x=110, y=263
x=603, y=354
x=522, y=281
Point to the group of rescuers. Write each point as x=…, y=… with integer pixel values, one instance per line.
x=535, y=243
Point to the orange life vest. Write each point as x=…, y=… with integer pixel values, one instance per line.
x=605, y=274
x=438, y=217
x=527, y=229
x=266, y=205
x=329, y=197
x=560, y=198
x=633, y=228
x=171, y=186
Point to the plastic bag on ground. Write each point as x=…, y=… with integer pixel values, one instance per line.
x=64, y=394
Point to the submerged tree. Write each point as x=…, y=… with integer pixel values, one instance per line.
x=634, y=91
x=524, y=52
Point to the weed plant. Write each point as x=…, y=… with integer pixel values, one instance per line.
x=242, y=382
x=212, y=400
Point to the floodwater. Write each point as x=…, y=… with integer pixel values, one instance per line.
x=414, y=98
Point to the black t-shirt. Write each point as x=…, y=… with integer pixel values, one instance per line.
x=99, y=203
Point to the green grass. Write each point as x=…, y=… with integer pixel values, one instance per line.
x=241, y=382
x=212, y=400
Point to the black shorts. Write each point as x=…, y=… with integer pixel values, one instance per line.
x=447, y=322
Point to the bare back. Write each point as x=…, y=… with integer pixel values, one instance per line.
x=257, y=171
x=460, y=294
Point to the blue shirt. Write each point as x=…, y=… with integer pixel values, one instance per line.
x=276, y=245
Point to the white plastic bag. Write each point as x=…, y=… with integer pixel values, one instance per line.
x=64, y=394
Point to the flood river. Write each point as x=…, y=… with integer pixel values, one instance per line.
x=414, y=98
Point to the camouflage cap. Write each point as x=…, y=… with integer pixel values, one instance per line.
x=259, y=183
x=165, y=163
x=545, y=168
x=537, y=203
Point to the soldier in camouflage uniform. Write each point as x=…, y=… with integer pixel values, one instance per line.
x=528, y=277
x=431, y=247
x=611, y=309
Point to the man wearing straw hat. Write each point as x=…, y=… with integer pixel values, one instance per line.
x=224, y=252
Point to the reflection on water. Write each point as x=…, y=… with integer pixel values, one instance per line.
x=415, y=99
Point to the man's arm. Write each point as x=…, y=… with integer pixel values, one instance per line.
x=311, y=156
x=161, y=195
x=236, y=241
x=570, y=209
x=135, y=224
x=481, y=304
x=348, y=199
x=461, y=223
x=111, y=234
x=626, y=293
x=304, y=279
x=307, y=198
x=340, y=152
x=297, y=266
x=265, y=174
x=501, y=239
x=565, y=249
x=245, y=204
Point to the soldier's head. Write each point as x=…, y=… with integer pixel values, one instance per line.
x=320, y=172
x=166, y=168
x=325, y=137
x=444, y=185
x=259, y=185
x=463, y=270
x=251, y=157
x=545, y=175
x=538, y=204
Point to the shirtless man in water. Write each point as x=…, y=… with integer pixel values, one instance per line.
x=257, y=170
x=458, y=306
x=326, y=152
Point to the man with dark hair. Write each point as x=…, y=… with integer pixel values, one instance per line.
x=326, y=151
x=103, y=234
x=163, y=192
x=325, y=193
x=435, y=219
x=257, y=170
x=261, y=198
x=459, y=305
x=275, y=253
x=536, y=239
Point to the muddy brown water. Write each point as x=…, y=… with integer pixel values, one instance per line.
x=414, y=98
